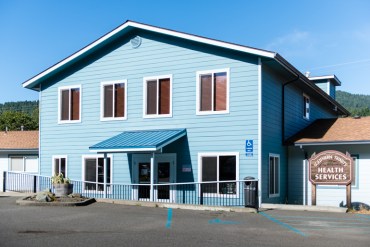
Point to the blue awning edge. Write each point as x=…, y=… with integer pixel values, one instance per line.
x=138, y=141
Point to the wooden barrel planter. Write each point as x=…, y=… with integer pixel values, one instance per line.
x=63, y=189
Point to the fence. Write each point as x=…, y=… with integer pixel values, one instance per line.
x=225, y=193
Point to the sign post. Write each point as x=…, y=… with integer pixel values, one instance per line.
x=331, y=168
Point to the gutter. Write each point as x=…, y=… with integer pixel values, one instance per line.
x=283, y=108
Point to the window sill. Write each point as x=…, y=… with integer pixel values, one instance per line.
x=202, y=113
x=102, y=119
x=69, y=122
x=158, y=116
x=273, y=195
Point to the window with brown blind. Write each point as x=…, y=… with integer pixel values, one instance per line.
x=212, y=91
x=113, y=100
x=69, y=104
x=157, y=96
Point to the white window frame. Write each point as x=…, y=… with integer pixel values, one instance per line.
x=24, y=157
x=96, y=156
x=104, y=83
x=217, y=154
x=157, y=78
x=60, y=89
x=54, y=157
x=306, y=107
x=272, y=155
x=198, y=94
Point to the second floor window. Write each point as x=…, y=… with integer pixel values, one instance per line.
x=306, y=107
x=158, y=96
x=113, y=100
x=212, y=92
x=70, y=105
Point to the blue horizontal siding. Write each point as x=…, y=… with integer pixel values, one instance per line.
x=157, y=55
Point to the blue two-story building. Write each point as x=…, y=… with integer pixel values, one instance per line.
x=147, y=105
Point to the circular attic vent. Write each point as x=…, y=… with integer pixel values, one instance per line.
x=135, y=42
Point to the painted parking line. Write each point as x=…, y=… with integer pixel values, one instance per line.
x=169, y=218
x=282, y=224
x=328, y=224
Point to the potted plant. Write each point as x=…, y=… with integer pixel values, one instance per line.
x=62, y=186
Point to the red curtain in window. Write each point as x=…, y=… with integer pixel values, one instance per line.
x=151, y=97
x=108, y=101
x=65, y=105
x=75, y=104
x=164, y=96
x=119, y=100
x=206, y=92
x=220, y=91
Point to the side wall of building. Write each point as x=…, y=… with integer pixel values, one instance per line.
x=272, y=140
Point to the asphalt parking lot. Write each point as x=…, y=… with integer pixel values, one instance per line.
x=103, y=224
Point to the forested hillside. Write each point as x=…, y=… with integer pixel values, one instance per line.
x=14, y=115
x=357, y=104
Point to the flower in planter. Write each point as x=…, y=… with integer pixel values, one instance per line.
x=60, y=179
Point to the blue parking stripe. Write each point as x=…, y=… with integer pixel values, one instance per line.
x=169, y=218
x=283, y=224
x=364, y=216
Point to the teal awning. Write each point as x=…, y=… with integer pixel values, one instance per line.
x=138, y=141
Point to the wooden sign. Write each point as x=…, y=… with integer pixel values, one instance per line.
x=331, y=167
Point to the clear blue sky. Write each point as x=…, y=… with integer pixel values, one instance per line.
x=321, y=36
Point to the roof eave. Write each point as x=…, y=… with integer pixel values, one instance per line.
x=34, y=81
x=310, y=84
x=301, y=144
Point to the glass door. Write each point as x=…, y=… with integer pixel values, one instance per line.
x=144, y=179
x=164, y=173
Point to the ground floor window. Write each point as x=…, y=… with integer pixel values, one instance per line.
x=218, y=167
x=274, y=179
x=94, y=173
x=60, y=165
x=23, y=164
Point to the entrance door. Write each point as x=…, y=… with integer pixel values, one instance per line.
x=164, y=173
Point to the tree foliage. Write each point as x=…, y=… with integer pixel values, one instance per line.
x=14, y=115
x=357, y=104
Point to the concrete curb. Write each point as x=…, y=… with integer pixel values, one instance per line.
x=25, y=202
x=178, y=206
x=303, y=208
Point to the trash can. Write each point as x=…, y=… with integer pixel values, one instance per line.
x=251, y=193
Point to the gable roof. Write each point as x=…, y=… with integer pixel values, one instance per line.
x=19, y=140
x=334, y=131
x=34, y=82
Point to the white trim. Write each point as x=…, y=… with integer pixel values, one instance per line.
x=60, y=101
x=218, y=154
x=104, y=83
x=96, y=156
x=40, y=127
x=129, y=24
x=306, y=106
x=259, y=131
x=197, y=86
x=328, y=88
x=53, y=163
x=279, y=173
x=156, y=78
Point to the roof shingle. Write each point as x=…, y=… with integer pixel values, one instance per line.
x=19, y=140
x=334, y=131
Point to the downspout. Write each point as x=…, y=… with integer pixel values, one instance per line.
x=283, y=132
x=283, y=108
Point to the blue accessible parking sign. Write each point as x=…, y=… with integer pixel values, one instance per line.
x=249, y=148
